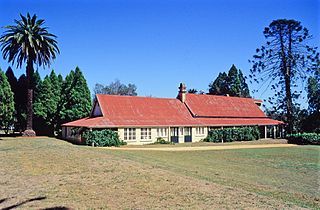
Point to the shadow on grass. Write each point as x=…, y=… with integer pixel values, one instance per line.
x=57, y=208
x=4, y=199
x=23, y=202
x=10, y=135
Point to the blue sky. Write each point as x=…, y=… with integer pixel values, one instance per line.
x=158, y=44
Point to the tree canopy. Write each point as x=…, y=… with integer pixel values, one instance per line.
x=47, y=102
x=314, y=92
x=76, y=100
x=282, y=62
x=233, y=84
x=28, y=41
x=6, y=102
x=116, y=88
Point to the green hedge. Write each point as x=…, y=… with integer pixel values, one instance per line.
x=162, y=141
x=304, y=138
x=102, y=138
x=233, y=134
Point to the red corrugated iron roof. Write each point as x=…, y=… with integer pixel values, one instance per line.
x=208, y=110
x=222, y=106
x=238, y=121
x=144, y=111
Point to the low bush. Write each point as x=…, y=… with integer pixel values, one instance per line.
x=233, y=134
x=162, y=141
x=304, y=138
x=102, y=138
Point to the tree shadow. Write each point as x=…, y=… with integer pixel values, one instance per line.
x=57, y=208
x=10, y=135
x=23, y=202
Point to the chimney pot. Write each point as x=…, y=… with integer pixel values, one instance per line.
x=182, y=92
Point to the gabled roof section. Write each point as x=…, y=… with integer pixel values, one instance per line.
x=96, y=110
x=144, y=111
x=222, y=106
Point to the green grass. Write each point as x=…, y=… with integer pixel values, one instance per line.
x=201, y=144
x=289, y=174
x=83, y=177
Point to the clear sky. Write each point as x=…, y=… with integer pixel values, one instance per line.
x=156, y=44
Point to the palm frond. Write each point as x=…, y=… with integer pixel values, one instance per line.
x=28, y=40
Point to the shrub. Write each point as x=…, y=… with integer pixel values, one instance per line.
x=233, y=134
x=102, y=138
x=304, y=138
x=162, y=141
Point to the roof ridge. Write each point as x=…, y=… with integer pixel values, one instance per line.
x=210, y=95
x=127, y=96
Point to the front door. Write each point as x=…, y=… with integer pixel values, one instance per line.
x=174, y=133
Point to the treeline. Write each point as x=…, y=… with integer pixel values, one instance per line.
x=232, y=83
x=57, y=100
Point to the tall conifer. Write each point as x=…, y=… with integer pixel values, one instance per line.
x=6, y=102
x=76, y=100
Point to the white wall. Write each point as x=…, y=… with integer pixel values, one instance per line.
x=139, y=141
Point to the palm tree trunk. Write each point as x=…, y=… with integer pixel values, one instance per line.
x=29, y=131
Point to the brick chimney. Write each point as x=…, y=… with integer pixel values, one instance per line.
x=182, y=92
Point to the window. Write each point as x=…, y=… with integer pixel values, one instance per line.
x=145, y=133
x=181, y=131
x=187, y=131
x=162, y=132
x=174, y=132
x=200, y=130
x=129, y=134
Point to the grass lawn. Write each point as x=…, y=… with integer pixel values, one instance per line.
x=40, y=173
x=203, y=144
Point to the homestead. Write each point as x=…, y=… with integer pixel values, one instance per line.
x=187, y=118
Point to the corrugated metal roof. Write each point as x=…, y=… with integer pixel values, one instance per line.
x=222, y=106
x=207, y=110
x=135, y=110
x=238, y=121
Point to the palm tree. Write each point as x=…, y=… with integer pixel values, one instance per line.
x=29, y=42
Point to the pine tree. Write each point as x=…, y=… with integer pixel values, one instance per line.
x=312, y=122
x=19, y=88
x=46, y=106
x=314, y=92
x=43, y=107
x=6, y=102
x=233, y=84
x=76, y=100
x=13, y=81
x=220, y=85
x=21, y=103
x=35, y=83
x=244, y=89
x=285, y=60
